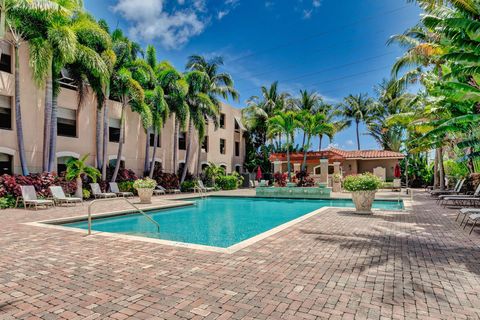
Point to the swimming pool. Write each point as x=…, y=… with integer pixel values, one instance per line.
x=219, y=221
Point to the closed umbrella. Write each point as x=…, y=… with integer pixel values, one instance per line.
x=397, y=172
x=259, y=174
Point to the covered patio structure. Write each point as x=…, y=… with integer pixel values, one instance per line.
x=322, y=164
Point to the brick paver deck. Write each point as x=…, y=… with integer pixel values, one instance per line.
x=335, y=265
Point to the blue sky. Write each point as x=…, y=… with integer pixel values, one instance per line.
x=322, y=45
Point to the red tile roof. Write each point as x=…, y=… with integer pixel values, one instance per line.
x=368, y=154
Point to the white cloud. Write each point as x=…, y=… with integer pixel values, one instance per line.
x=269, y=4
x=349, y=142
x=172, y=26
x=316, y=3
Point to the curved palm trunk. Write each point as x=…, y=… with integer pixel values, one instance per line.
x=152, y=163
x=406, y=170
x=188, y=152
x=53, y=134
x=120, y=143
x=105, y=141
x=288, y=159
x=47, y=122
x=98, y=142
x=146, y=163
x=441, y=169
x=199, y=156
x=18, y=116
x=435, y=171
x=358, y=134
x=175, y=145
x=305, y=151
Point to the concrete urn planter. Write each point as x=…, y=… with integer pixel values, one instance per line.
x=145, y=195
x=363, y=201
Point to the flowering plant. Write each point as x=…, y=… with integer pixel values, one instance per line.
x=362, y=182
x=145, y=183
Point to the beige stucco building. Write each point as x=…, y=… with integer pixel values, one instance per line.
x=224, y=146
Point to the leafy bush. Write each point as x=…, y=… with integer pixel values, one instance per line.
x=167, y=180
x=10, y=185
x=86, y=194
x=123, y=174
x=126, y=186
x=362, y=182
x=7, y=202
x=455, y=169
x=280, y=179
x=227, y=182
x=304, y=179
x=187, y=185
x=145, y=183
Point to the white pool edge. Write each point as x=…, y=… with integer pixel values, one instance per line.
x=407, y=203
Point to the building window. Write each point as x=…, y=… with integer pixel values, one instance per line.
x=222, y=120
x=6, y=164
x=114, y=130
x=62, y=164
x=237, y=126
x=5, y=112
x=182, y=141
x=181, y=166
x=66, y=122
x=152, y=140
x=112, y=163
x=204, y=166
x=224, y=167
x=237, y=168
x=222, y=146
x=6, y=57
x=237, y=149
x=205, y=144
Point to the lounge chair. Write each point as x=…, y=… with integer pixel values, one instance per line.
x=158, y=191
x=114, y=188
x=469, y=215
x=460, y=200
x=455, y=190
x=251, y=183
x=29, y=198
x=169, y=190
x=97, y=192
x=202, y=186
x=60, y=198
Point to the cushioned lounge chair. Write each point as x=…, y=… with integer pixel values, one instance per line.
x=29, y=198
x=461, y=200
x=60, y=198
x=114, y=188
x=97, y=192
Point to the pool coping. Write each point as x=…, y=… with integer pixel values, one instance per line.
x=54, y=224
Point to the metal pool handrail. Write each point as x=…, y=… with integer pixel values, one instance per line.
x=112, y=199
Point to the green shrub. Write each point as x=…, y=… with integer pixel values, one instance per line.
x=362, y=182
x=145, y=183
x=86, y=194
x=7, y=202
x=227, y=182
x=187, y=185
x=126, y=186
x=455, y=169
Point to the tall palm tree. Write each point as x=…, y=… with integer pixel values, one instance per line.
x=356, y=108
x=217, y=85
x=284, y=123
x=309, y=102
x=332, y=115
x=312, y=125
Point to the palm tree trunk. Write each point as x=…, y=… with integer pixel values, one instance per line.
x=199, y=156
x=53, y=134
x=120, y=143
x=406, y=171
x=18, y=115
x=435, y=171
x=358, y=135
x=152, y=163
x=188, y=152
x=175, y=145
x=98, y=133
x=304, y=163
x=105, y=141
x=146, y=163
x=320, y=138
x=47, y=122
x=441, y=169
x=288, y=159
x=303, y=141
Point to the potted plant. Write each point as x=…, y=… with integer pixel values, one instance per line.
x=363, y=188
x=76, y=168
x=145, y=189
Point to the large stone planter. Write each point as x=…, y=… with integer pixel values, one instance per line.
x=145, y=195
x=363, y=201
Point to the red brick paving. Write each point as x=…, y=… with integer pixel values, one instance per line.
x=416, y=265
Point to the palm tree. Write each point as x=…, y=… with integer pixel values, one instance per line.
x=284, y=123
x=331, y=116
x=76, y=168
x=309, y=102
x=356, y=108
x=218, y=85
x=312, y=125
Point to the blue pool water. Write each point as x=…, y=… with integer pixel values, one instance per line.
x=219, y=221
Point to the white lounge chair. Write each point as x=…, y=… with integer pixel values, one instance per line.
x=29, y=198
x=202, y=186
x=97, y=192
x=60, y=198
x=462, y=199
x=169, y=190
x=158, y=191
x=114, y=188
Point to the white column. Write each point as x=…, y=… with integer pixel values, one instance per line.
x=324, y=171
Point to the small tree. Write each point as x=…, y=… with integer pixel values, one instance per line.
x=76, y=168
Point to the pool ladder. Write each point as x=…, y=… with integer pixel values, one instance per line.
x=112, y=199
x=202, y=192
